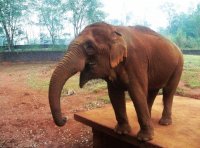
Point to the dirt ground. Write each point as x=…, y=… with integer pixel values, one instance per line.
x=25, y=118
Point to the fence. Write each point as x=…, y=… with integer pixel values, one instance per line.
x=33, y=47
x=49, y=55
x=31, y=56
x=191, y=52
x=1, y=57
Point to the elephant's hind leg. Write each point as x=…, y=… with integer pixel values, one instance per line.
x=151, y=97
x=117, y=98
x=168, y=94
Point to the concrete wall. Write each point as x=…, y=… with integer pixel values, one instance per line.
x=32, y=56
x=191, y=52
x=1, y=57
x=49, y=55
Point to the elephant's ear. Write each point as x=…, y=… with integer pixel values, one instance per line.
x=118, y=49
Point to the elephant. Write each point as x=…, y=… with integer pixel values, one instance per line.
x=129, y=58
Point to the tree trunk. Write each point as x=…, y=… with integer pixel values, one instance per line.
x=7, y=37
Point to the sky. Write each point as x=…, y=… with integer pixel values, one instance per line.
x=148, y=10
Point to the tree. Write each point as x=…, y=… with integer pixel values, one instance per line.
x=1, y=36
x=1, y=31
x=83, y=12
x=51, y=16
x=184, y=28
x=11, y=11
x=170, y=10
x=196, y=20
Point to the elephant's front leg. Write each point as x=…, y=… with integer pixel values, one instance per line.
x=139, y=97
x=117, y=97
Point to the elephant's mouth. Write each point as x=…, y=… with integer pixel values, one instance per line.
x=84, y=78
x=87, y=74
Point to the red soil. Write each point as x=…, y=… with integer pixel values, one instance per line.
x=25, y=118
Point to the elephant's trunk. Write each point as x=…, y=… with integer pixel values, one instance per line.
x=73, y=62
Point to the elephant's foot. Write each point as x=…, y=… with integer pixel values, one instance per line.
x=122, y=129
x=145, y=135
x=165, y=121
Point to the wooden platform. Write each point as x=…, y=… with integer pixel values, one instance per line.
x=184, y=132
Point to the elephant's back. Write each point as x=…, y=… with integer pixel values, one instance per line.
x=143, y=40
x=144, y=30
x=149, y=47
x=151, y=41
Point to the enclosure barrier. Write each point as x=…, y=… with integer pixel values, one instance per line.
x=191, y=52
x=32, y=47
x=32, y=56
x=1, y=57
x=184, y=132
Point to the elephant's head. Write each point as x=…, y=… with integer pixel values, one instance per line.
x=95, y=52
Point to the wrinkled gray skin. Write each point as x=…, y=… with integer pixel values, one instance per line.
x=134, y=59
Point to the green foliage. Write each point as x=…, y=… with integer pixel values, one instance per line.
x=180, y=38
x=51, y=16
x=170, y=10
x=184, y=28
x=83, y=12
x=1, y=30
x=11, y=12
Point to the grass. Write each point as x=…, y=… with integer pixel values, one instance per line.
x=180, y=91
x=190, y=76
x=36, y=83
x=192, y=61
x=191, y=73
x=104, y=99
x=72, y=83
x=95, y=86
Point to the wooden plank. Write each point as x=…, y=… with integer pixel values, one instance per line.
x=184, y=132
